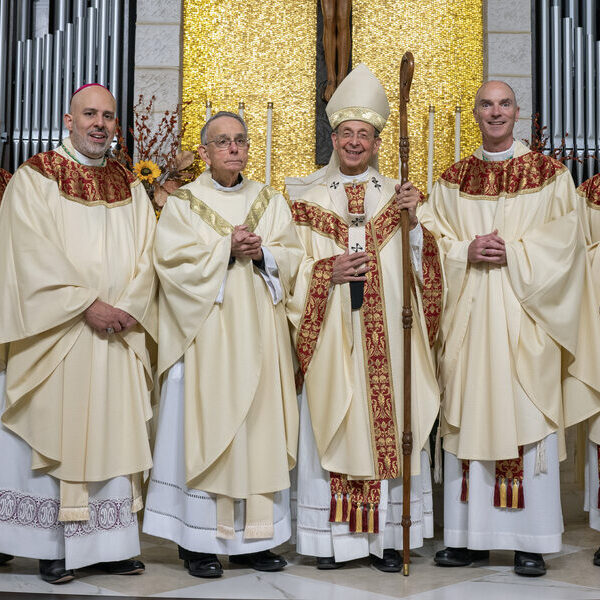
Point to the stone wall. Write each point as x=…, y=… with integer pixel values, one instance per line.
x=158, y=53
x=507, y=41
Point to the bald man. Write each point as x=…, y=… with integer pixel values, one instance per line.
x=78, y=311
x=514, y=258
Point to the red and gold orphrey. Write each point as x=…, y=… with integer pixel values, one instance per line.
x=356, y=197
x=476, y=177
x=508, y=489
x=109, y=184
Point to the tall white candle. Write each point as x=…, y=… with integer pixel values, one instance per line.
x=457, y=134
x=430, y=150
x=241, y=107
x=208, y=109
x=269, y=142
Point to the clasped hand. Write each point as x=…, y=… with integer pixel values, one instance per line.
x=101, y=316
x=245, y=244
x=488, y=248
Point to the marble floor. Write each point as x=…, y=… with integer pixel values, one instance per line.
x=571, y=576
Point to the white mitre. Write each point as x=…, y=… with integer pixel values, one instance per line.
x=359, y=97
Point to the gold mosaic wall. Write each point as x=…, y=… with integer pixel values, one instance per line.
x=264, y=50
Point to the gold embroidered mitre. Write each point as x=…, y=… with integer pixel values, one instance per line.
x=360, y=97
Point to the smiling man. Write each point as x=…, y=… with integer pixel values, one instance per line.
x=347, y=318
x=506, y=220
x=227, y=255
x=76, y=233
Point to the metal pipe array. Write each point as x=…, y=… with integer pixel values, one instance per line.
x=568, y=82
x=85, y=47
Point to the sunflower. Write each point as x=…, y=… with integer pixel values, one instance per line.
x=146, y=170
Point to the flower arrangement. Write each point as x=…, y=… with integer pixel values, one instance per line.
x=161, y=166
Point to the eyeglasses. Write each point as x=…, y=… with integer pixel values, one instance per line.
x=224, y=142
x=346, y=134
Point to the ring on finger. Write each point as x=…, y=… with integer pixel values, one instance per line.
x=484, y=251
x=110, y=330
x=355, y=272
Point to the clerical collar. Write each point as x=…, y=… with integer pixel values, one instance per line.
x=355, y=178
x=497, y=156
x=80, y=158
x=233, y=188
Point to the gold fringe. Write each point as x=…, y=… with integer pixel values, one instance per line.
x=371, y=528
x=503, y=493
x=338, y=508
x=359, y=518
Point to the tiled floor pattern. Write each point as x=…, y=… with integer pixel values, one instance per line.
x=571, y=576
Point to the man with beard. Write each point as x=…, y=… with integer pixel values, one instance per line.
x=76, y=233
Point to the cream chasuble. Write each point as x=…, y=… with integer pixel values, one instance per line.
x=69, y=234
x=582, y=392
x=505, y=330
x=241, y=413
x=352, y=360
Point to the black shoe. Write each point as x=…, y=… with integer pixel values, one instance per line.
x=203, y=565
x=459, y=557
x=597, y=557
x=53, y=571
x=529, y=564
x=390, y=563
x=261, y=561
x=4, y=558
x=121, y=567
x=327, y=563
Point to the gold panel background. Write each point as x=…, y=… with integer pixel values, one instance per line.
x=264, y=50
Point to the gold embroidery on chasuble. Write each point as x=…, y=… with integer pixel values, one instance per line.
x=432, y=285
x=223, y=227
x=357, y=501
x=487, y=180
x=590, y=190
x=92, y=186
x=356, y=197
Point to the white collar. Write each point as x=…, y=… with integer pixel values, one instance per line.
x=233, y=188
x=497, y=156
x=355, y=178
